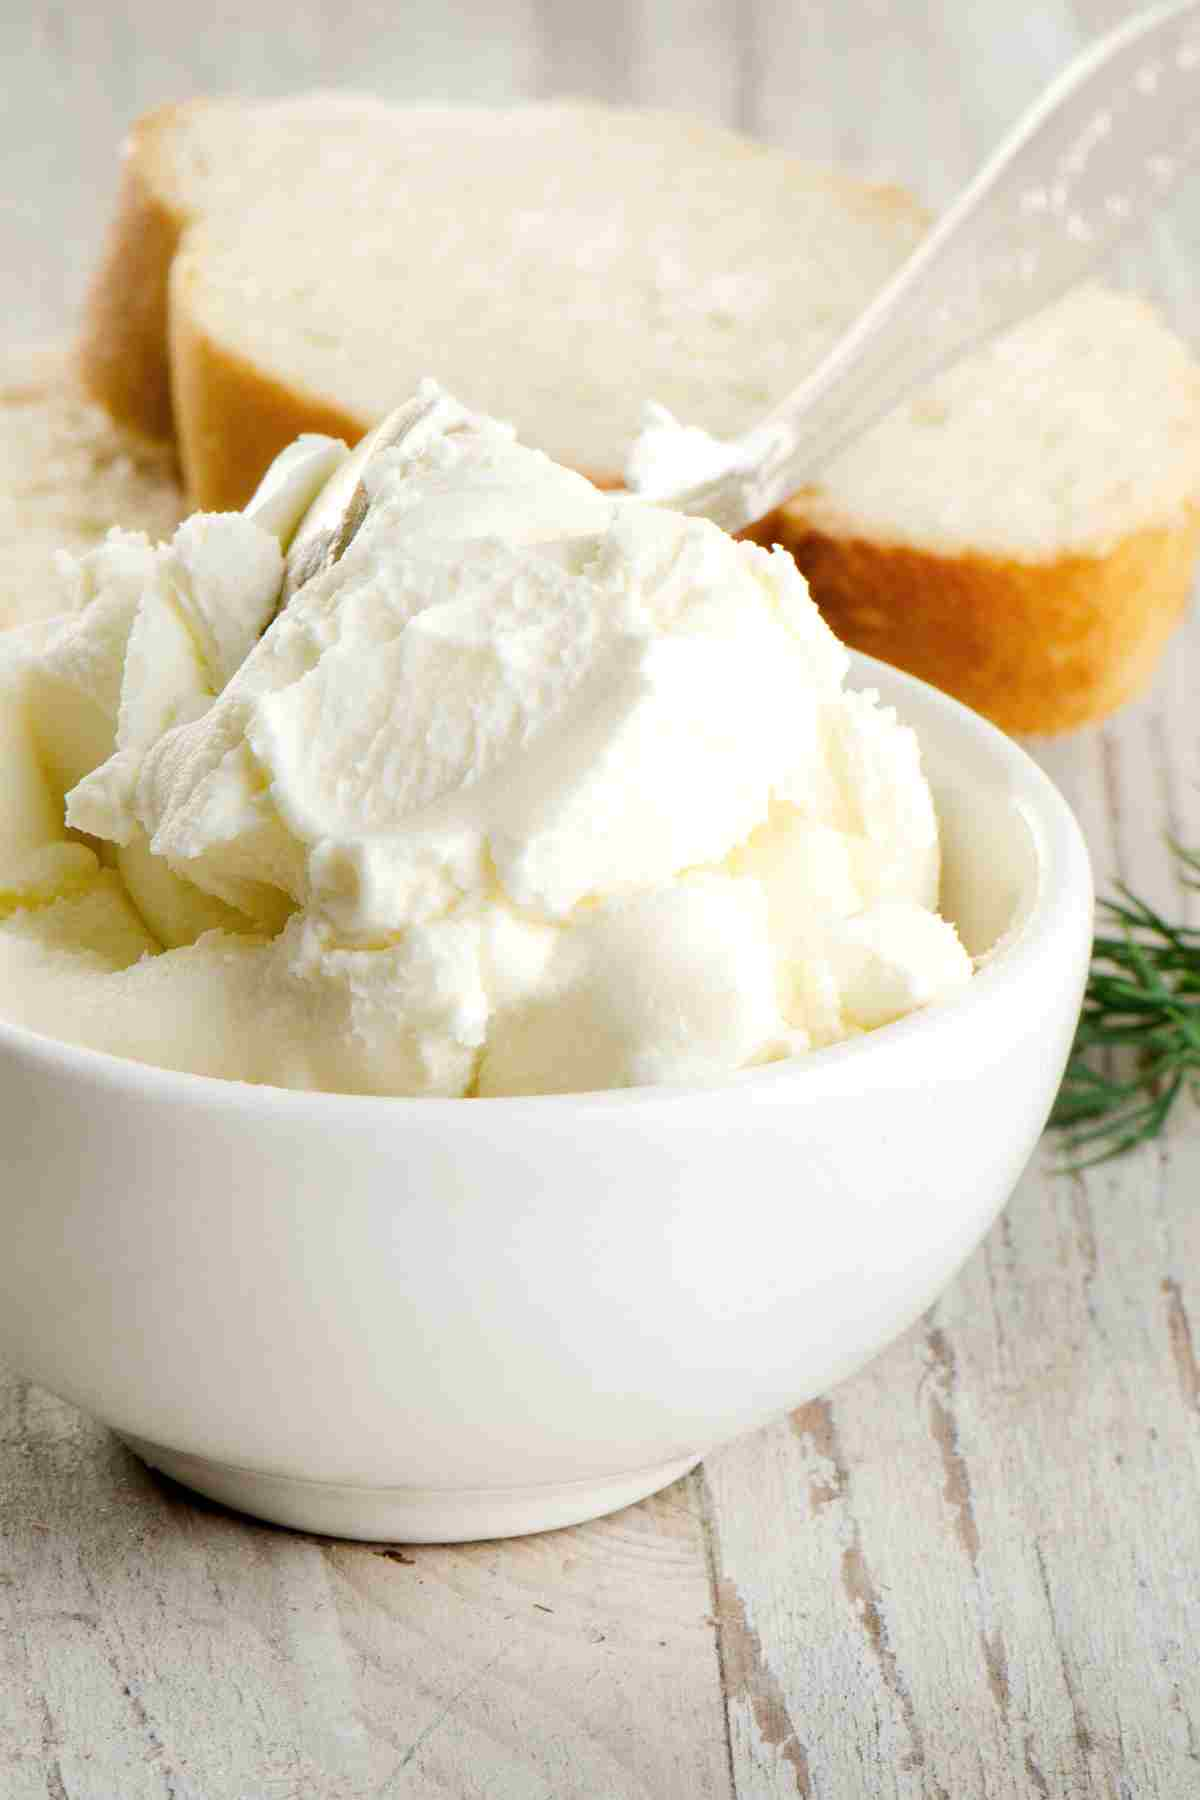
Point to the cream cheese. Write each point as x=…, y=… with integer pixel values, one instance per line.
x=536, y=789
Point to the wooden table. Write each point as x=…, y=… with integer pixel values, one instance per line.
x=973, y=1571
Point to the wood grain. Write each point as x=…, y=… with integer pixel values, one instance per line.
x=971, y=1573
x=152, y=1646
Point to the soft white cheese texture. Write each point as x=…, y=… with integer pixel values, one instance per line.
x=666, y=459
x=537, y=789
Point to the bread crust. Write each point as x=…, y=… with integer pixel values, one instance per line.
x=231, y=419
x=1037, y=647
x=123, y=341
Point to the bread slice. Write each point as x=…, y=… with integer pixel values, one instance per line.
x=555, y=264
x=1024, y=533
x=301, y=264
x=66, y=474
x=181, y=163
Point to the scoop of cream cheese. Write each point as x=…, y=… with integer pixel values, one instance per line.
x=666, y=459
x=537, y=789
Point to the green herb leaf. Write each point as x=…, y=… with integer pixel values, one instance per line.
x=1142, y=1008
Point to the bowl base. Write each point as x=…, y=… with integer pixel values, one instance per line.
x=407, y=1515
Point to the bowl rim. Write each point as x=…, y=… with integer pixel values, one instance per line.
x=1064, y=882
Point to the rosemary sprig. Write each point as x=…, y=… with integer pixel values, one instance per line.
x=1143, y=1003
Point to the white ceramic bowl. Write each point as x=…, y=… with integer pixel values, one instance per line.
x=447, y=1319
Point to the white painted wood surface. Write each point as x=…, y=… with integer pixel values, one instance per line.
x=972, y=1573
